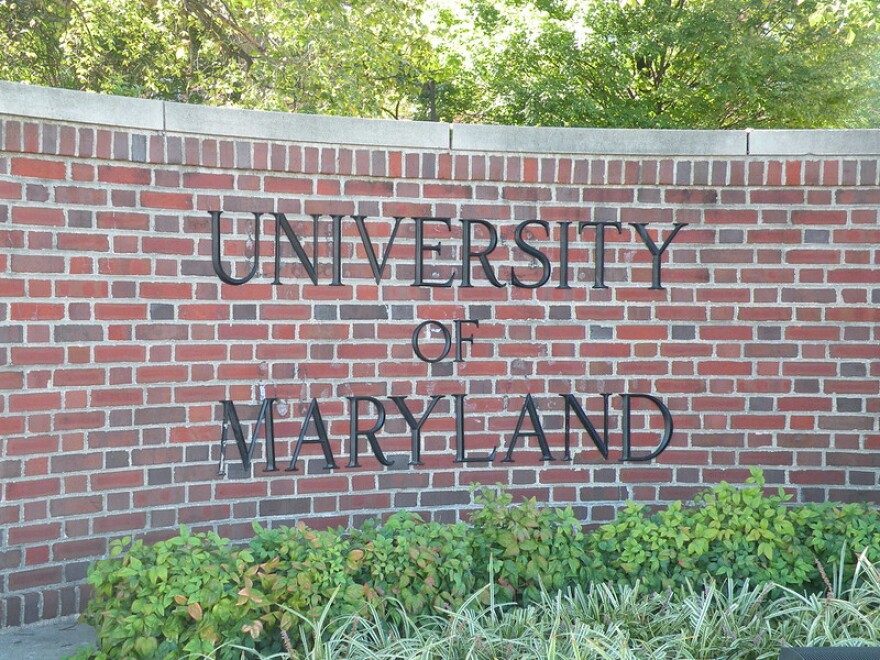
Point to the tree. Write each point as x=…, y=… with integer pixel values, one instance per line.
x=627, y=63
x=666, y=63
x=30, y=35
x=361, y=57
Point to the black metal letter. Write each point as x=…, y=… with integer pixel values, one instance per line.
x=531, y=251
x=421, y=248
x=353, y=432
x=447, y=341
x=626, y=454
x=529, y=406
x=282, y=223
x=337, y=250
x=656, y=252
x=459, y=339
x=414, y=426
x=599, y=272
x=482, y=255
x=313, y=413
x=216, y=249
x=563, y=255
x=571, y=403
x=230, y=418
x=460, y=456
x=375, y=266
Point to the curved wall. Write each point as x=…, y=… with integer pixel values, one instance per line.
x=118, y=339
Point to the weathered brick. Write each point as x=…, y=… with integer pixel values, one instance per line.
x=120, y=341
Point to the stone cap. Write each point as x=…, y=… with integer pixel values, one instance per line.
x=604, y=141
x=814, y=142
x=33, y=102
x=294, y=127
x=30, y=101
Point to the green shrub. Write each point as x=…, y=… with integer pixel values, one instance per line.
x=425, y=566
x=194, y=593
x=837, y=534
x=305, y=571
x=739, y=534
x=525, y=548
x=166, y=600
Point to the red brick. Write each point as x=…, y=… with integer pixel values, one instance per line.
x=34, y=402
x=117, y=397
x=140, y=176
x=166, y=245
x=166, y=200
x=27, y=580
x=199, y=514
x=122, y=220
x=30, y=534
x=80, y=420
x=782, y=196
x=39, y=169
x=541, y=193
x=813, y=256
x=33, y=489
x=81, y=289
x=80, y=195
x=125, y=266
x=120, y=353
x=163, y=374
x=120, y=311
x=33, y=215
x=120, y=523
x=731, y=216
x=32, y=263
x=37, y=311
x=79, y=549
x=166, y=290
x=288, y=185
x=357, y=188
x=123, y=479
x=84, y=242
x=818, y=217
x=11, y=380
x=447, y=191
x=10, y=190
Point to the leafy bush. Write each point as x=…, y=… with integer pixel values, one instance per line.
x=425, y=566
x=193, y=592
x=526, y=548
x=739, y=534
x=166, y=600
x=304, y=571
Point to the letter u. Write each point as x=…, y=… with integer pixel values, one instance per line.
x=216, y=247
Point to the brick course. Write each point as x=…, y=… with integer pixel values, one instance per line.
x=117, y=340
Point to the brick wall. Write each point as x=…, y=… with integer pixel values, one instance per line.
x=118, y=340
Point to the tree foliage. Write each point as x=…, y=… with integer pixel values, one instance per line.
x=628, y=63
x=362, y=57
x=667, y=63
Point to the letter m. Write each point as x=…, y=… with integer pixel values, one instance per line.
x=245, y=451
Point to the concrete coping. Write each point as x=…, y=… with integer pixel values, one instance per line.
x=852, y=142
x=608, y=141
x=292, y=127
x=33, y=102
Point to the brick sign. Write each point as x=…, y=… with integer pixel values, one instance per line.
x=403, y=302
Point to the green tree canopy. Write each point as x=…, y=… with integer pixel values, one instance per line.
x=361, y=57
x=627, y=63
x=665, y=63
